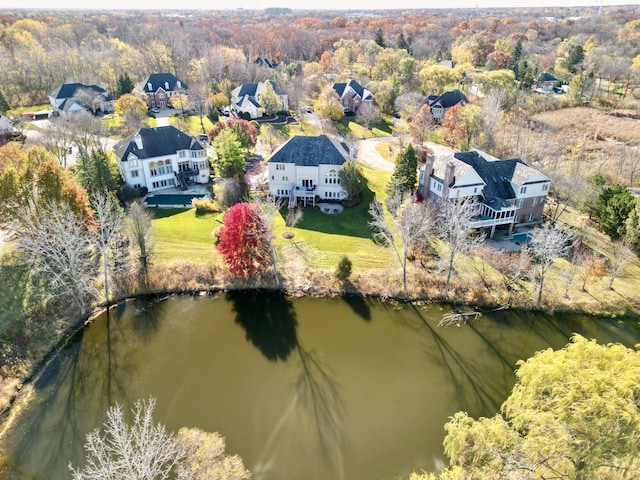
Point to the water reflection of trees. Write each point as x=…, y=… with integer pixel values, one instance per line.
x=270, y=323
x=358, y=305
x=476, y=390
x=79, y=385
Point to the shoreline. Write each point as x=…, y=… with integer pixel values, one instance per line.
x=21, y=390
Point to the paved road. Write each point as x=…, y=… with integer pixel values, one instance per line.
x=369, y=156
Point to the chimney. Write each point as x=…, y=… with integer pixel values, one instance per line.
x=138, y=139
x=448, y=179
x=426, y=179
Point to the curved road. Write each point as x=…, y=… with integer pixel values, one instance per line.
x=369, y=156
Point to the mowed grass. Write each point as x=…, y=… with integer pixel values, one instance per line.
x=182, y=235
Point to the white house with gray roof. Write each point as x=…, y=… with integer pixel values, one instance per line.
x=306, y=167
x=162, y=157
x=246, y=98
x=508, y=192
x=77, y=97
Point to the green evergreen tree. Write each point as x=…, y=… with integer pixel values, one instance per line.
x=516, y=56
x=125, y=84
x=230, y=158
x=96, y=172
x=4, y=103
x=379, y=39
x=575, y=58
x=404, y=43
x=614, y=206
x=405, y=176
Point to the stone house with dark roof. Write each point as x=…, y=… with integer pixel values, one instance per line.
x=160, y=87
x=352, y=95
x=440, y=104
x=246, y=98
x=162, y=157
x=508, y=192
x=306, y=167
x=77, y=97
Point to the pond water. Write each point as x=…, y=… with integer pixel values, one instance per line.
x=310, y=388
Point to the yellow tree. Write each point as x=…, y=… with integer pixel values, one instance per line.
x=328, y=104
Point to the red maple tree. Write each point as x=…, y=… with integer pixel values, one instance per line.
x=244, y=240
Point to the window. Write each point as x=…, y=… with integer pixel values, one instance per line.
x=134, y=173
x=279, y=166
x=530, y=217
x=545, y=187
x=534, y=202
x=475, y=190
x=331, y=178
x=182, y=154
x=523, y=189
x=307, y=183
x=133, y=163
x=517, y=219
x=285, y=178
x=519, y=203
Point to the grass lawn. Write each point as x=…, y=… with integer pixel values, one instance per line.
x=194, y=123
x=32, y=108
x=348, y=126
x=388, y=150
x=180, y=234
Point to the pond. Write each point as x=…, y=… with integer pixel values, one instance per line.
x=313, y=388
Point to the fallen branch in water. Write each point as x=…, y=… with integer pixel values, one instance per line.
x=460, y=318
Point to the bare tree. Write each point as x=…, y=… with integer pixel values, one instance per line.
x=140, y=229
x=368, y=114
x=142, y=451
x=57, y=139
x=547, y=245
x=88, y=132
x=267, y=213
x=455, y=231
x=412, y=222
x=56, y=244
x=493, y=105
x=108, y=238
x=90, y=98
x=618, y=261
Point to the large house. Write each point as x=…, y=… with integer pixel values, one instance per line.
x=77, y=97
x=162, y=157
x=6, y=126
x=439, y=104
x=307, y=167
x=246, y=98
x=160, y=87
x=352, y=95
x=508, y=192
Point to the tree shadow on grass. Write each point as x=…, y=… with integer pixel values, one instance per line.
x=352, y=221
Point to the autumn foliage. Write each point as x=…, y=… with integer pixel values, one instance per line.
x=243, y=241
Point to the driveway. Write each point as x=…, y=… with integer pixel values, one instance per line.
x=369, y=156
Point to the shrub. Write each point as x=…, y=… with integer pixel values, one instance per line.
x=343, y=272
x=205, y=205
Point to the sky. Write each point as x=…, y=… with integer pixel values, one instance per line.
x=298, y=4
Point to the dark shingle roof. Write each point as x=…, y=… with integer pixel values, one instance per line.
x=547, y=77
x=156, y=142
x=311, y=151
x=68, y=90
x=264, y=60
x=340, y=88
x=495, y=173
x=449, y=99
x=158, y=80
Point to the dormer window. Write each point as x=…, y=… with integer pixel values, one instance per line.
x=523, y=190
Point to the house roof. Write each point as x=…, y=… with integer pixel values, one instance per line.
x=263, y=60
x=158, y=80
x=156, y=142
x=448, y=99
x=68, y=90
x=447, y=63
x=547, y=77
x=496, y=173
x=440, y=168
x=306, y=151
x=249, y=99
x=355, y=86
x=252, y=89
